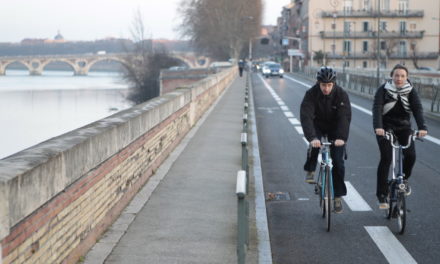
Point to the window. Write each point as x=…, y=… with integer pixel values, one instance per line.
x=402, y=27
x=365, y=26
x=333, y=47
x=364, y=64
x=385, y=5
x=403, y=6
x=366, y=4
x=348, y=6
x=383, y=45
x=402, y=48
x=383, y=25
x=347, y=27
x=347, y=46
x=365, y=46
x=346, y=64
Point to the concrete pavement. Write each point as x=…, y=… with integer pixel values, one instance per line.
x=187, y=212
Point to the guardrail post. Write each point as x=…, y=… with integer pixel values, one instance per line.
x=242, y=217
x=244, y=157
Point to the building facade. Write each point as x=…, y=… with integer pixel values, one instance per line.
x=366, y=33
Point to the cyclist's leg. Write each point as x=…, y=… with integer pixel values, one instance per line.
x=337, y=154
x=409, y=154
x=383, y=168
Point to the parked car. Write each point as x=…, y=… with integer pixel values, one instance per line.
x=272, y=69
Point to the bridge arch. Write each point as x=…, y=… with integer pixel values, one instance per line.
x=93, y=62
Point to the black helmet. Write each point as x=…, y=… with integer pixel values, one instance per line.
x=326, y=75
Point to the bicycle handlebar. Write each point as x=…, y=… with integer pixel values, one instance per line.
x=390, y=136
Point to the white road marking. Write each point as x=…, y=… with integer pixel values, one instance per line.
x=288, y=114
x=388, y=244
x=433, y=139
x=360, y=108
x=300, y=130
x=294, y=121
x=305, y=141
x=302, y=83
x=284, y=108
x=354, y=200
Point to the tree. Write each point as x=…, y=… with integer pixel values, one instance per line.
x=319, y=57
x=221, y=28
x=144, y=63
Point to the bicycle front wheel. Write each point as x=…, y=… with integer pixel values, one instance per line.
x=328, y=197
x=319, y=185
x=401, y=212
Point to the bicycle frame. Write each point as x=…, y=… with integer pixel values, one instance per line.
x=399, y=148
x=324, y=162
x=396, y=186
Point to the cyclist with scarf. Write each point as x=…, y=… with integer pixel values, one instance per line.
x=393, y=103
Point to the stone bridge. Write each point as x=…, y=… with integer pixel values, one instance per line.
x=82, y=63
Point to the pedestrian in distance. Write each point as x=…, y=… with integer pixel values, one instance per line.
x=326, y=110
x=240, y=67
x=394, y=102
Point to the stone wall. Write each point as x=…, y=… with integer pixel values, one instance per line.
x=58, y=197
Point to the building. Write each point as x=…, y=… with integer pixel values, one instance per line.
x=359, y=34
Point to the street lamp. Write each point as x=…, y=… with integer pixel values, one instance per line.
x=378, y=45
x=250, y=18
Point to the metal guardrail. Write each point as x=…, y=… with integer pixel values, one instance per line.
x=242, y=187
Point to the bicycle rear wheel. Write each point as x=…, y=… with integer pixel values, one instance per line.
x=401, y=212
x=328, y=198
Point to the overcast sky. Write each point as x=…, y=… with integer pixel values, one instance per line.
x=95, y=19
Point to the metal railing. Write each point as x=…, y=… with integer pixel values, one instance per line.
x=242, y=188
x=373, y=13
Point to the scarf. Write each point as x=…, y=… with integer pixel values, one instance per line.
x=396, y=94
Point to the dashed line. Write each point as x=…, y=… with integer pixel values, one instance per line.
x=284, y=108
x=288, y=114
x=300, y=131
x=294, y=121
x=354, y=200
x=388, y=244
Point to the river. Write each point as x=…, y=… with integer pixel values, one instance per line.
x=36, y=108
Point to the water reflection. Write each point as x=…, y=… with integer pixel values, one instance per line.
x=36, y=108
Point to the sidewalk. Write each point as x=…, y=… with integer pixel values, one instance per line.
x=187, y=212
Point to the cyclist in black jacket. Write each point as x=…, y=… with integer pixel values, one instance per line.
x=393, y=103
x=326, y=110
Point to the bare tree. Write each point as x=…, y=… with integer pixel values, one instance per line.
x=144, y=63
x=221, y=28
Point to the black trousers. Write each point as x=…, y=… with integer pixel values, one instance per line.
x=337, y=155
x=386, y=157
x=240, y=71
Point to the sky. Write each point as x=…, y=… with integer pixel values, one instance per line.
x=96, y=19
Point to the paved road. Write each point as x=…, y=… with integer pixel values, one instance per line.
x=361, y=234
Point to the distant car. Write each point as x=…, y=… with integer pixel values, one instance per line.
x=272, y=69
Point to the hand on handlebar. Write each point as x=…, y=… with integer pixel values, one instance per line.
x=422, y=133
x=380, y=131
x=339, y=142
x=316, y=143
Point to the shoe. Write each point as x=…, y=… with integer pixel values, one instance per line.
x=383, y=204
x=407, y=188
x=337, y=206
x=310, y=177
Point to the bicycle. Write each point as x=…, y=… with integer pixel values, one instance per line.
x=324, y=183
x=397, y=188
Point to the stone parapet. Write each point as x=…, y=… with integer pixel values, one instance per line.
x=58, y=197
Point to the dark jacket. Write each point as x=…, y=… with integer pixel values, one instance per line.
x=397, y=118
x=326, y=114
